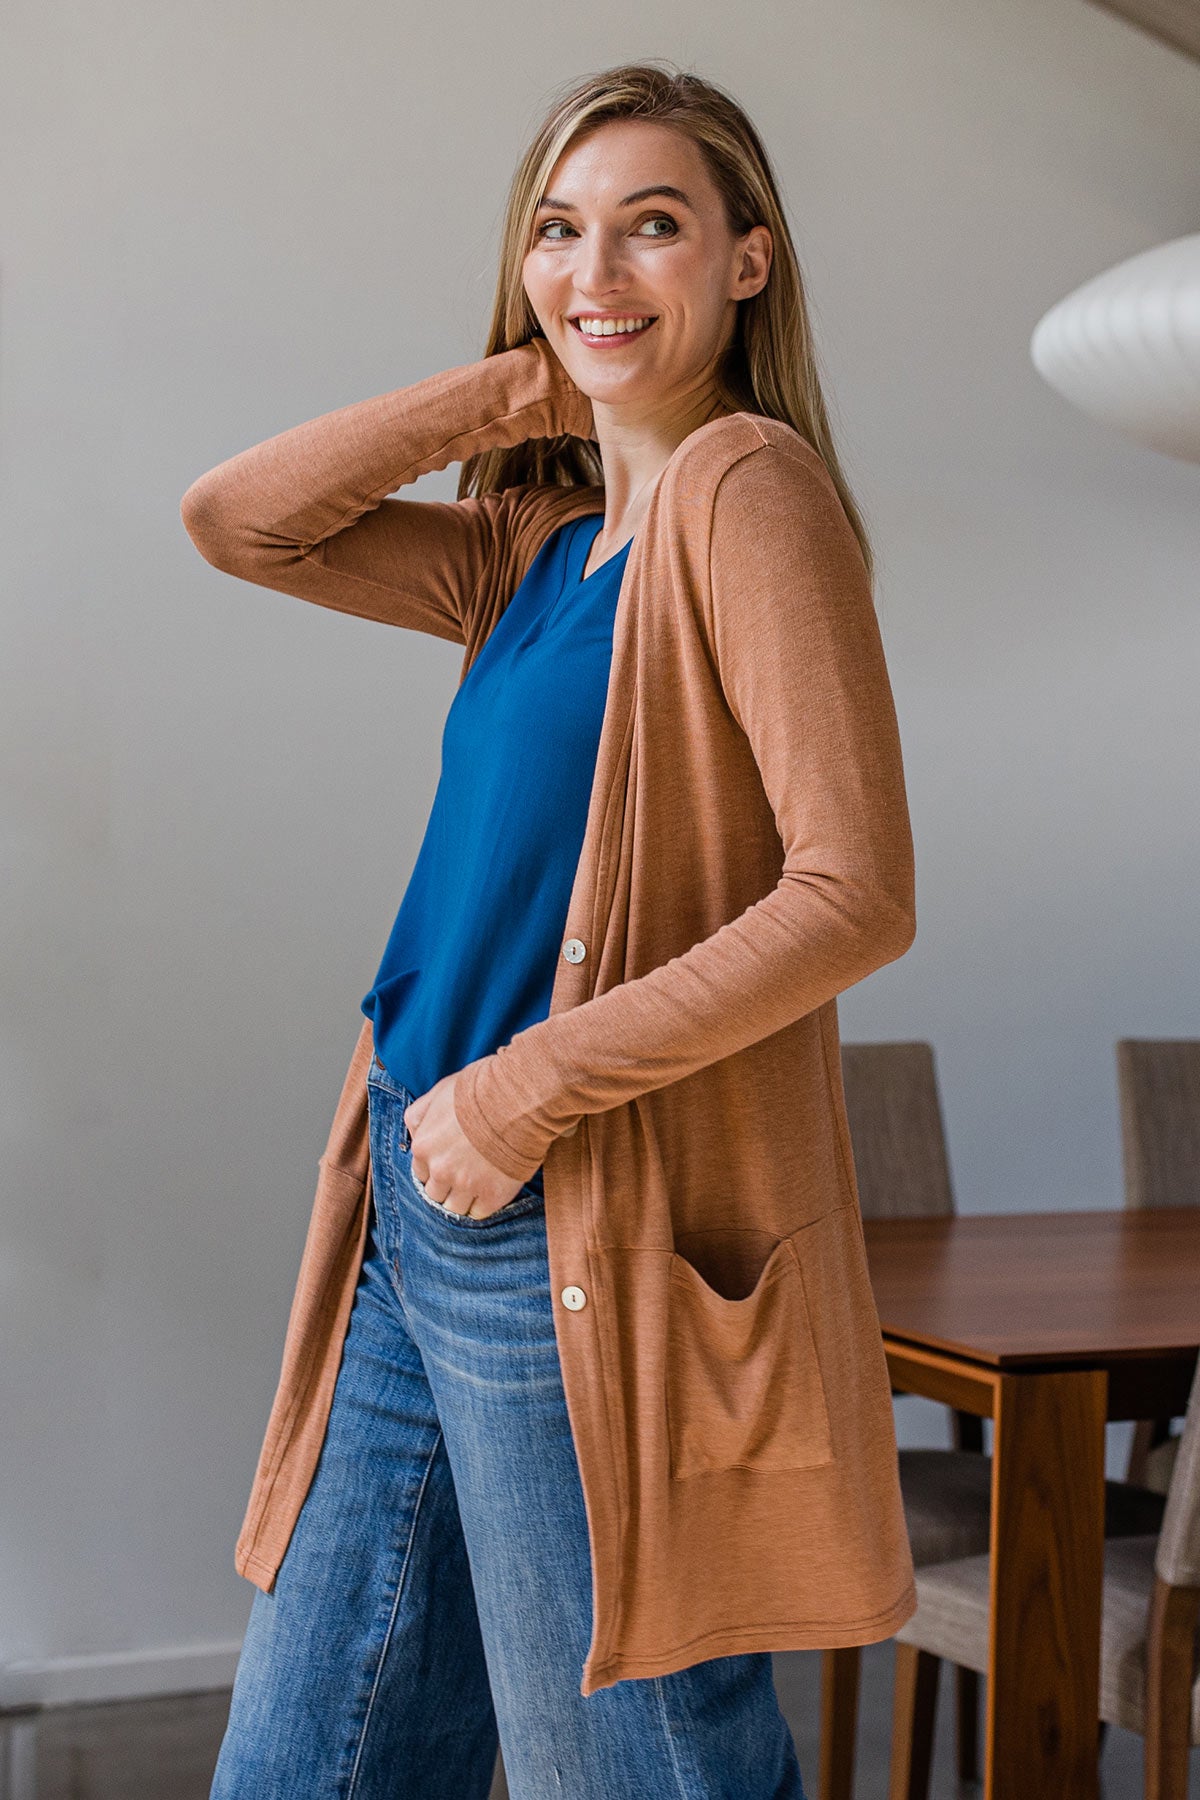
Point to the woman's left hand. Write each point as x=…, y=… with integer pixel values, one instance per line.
x=446, y=1162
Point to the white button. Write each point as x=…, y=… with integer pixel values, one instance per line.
x=574, y=1297
x=574, y=950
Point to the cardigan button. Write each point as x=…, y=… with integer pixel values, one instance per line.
x=574, y=1297
x=574, y=950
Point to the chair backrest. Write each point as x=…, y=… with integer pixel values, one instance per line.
x=1177, y=1558
x=895, y=1116
x=1158, y=1081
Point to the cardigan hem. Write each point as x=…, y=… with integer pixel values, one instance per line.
x=792, y=1634
x=253, y=1569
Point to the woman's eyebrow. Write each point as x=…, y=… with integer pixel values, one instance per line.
x=672, y=193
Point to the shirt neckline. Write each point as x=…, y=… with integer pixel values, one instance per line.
x=581, y=547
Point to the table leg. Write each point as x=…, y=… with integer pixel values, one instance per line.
x=1047, y=1567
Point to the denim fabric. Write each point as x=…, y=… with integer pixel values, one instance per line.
x=435, y=1597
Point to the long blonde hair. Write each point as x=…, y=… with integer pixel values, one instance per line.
x=770, y=367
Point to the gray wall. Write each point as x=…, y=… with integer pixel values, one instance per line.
x=220, y=221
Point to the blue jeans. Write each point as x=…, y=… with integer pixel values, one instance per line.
x=435, y=1598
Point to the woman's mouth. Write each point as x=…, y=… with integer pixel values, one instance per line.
x=603, y=333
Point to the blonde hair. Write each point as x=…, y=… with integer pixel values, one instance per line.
x=770, y=367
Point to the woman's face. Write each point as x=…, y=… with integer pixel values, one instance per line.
x=609, y=242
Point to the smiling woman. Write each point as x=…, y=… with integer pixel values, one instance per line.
x=638, y=288
x=578, y=1421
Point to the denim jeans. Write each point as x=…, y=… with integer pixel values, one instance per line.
x=435, y=1597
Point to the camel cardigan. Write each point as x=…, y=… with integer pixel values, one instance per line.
x=747, y=857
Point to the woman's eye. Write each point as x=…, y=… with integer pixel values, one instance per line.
x=555, y=224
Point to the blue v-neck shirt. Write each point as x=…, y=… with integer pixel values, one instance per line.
x=472, y=955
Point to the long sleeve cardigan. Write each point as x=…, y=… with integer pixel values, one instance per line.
x=747, y=857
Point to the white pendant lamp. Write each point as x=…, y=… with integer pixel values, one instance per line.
x=1125, y=347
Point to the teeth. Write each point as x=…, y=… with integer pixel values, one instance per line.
x=610, y=327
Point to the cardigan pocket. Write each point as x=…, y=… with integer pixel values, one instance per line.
x=743, y=1377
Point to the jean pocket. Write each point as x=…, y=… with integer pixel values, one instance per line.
x=527, y=1199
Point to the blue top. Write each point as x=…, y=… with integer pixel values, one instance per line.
x=473, y=953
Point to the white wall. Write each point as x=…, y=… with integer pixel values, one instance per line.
x=219, y=221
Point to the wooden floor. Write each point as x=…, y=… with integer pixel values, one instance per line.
x=165, y=1749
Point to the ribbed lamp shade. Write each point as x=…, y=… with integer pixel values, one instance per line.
x=1125, y=347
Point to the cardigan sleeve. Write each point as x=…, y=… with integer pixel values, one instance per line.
x=798, y=649
x=305, y=512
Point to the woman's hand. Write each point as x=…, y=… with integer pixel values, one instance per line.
x=446, y=1162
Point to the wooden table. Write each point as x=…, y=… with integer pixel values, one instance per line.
x=1048, y=1324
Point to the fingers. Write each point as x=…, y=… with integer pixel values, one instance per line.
x=462, y=1211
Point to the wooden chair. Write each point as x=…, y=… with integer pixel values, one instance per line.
x=1149, y=1667
x=1158, y=1085
x=902, y=1171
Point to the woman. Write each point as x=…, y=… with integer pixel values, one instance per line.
x=583, y=1364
